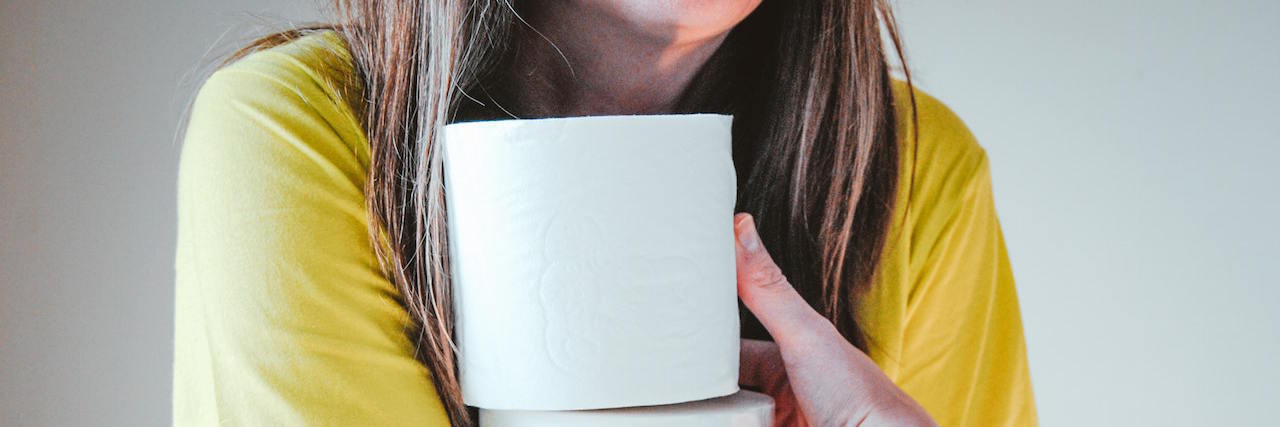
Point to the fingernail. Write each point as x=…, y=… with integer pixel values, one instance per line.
x=747, y=234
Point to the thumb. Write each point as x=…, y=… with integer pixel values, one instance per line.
x=765, y=290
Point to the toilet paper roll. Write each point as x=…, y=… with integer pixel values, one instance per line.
x=593, y=260
x=741, y=409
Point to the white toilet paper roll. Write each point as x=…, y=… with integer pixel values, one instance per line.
x=741, y=409
x=593, y=260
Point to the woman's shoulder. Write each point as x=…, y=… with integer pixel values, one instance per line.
x=282, y=105
x=940, y=156
x=305, y=75
x=298, y=60
x=939, y=137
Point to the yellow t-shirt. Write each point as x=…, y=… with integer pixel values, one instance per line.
x=283, y=315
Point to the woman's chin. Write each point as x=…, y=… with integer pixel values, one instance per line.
x=679, y=20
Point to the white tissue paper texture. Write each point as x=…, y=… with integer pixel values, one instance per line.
x=741, y=409
x=593, y=260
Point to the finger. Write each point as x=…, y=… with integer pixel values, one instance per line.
x=766, y=292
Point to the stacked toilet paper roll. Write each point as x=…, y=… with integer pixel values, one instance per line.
x=741, y=409
x=593, y=265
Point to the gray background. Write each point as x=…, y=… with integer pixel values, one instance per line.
x=1132, y=146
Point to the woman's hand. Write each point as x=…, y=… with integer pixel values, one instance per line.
x=826, y=382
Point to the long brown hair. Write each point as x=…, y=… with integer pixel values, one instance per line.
x=815, y=141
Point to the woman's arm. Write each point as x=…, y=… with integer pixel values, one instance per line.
x=963, y=356
x=283, y=316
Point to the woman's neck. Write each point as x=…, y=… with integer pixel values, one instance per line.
x=589, y=62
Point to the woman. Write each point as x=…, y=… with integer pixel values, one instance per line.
x=312, y=262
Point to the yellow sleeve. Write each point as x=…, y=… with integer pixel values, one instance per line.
x=282, y=314
x=963, y=356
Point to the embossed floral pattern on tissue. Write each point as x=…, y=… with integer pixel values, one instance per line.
x=582, y=267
